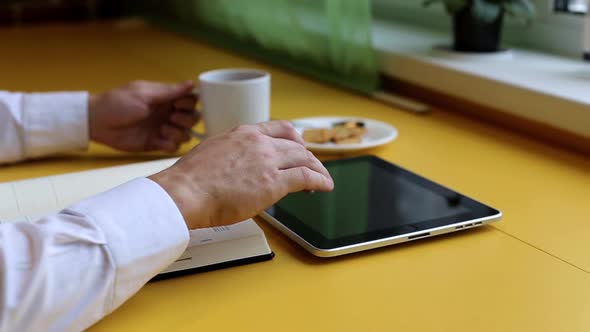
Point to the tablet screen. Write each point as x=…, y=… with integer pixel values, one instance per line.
x=372, y=198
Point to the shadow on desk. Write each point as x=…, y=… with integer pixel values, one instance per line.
x=288, y=247
x=521, y=142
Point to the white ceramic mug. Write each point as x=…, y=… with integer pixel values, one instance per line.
x=232, y=97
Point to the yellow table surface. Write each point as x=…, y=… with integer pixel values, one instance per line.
x=530, y=272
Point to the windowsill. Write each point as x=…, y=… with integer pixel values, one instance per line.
x=548, y=89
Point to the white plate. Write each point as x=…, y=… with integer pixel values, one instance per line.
x=378, y=133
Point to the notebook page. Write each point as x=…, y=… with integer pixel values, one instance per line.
x=77, y=186
x=30, y=200
x=27, y=200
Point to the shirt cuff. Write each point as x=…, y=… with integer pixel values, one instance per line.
x=55, y=122
x=144, y=231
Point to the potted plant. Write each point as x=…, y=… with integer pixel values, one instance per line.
x=477, y=24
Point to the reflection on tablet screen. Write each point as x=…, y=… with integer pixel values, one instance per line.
x=369, y=198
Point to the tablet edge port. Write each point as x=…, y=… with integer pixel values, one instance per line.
x=417, y=236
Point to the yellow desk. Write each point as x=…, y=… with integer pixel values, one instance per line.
x=529, y=272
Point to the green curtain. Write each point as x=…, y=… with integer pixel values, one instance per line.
x=327, y=39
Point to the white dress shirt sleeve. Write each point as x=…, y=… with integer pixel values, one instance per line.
x=67, y=271
x=34, y=125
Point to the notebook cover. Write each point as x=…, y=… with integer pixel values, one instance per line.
x=217, y=266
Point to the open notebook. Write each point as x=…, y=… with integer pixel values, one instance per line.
x=210, y=248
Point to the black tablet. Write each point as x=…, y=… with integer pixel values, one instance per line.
x=374, y=204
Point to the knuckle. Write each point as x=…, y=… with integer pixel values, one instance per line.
x=269, y=177
x=289, y=129
x=284, y=124
x=137, y=84
x=255, y=137
x=266, y=154
x=263, y=125
x=241, y=129
x=273, y=176
x=305, y=175
x=310, y=156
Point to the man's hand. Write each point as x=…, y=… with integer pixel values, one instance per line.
x=234, y=176
x=143, y=116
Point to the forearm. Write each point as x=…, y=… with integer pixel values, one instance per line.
x=34, y=125
x=67, y=271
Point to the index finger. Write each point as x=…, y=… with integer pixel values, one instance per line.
x=303, y=178
x=157, y=92
x=280, y=129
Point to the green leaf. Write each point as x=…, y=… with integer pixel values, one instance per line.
x=520, y=9
x=486, y=10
